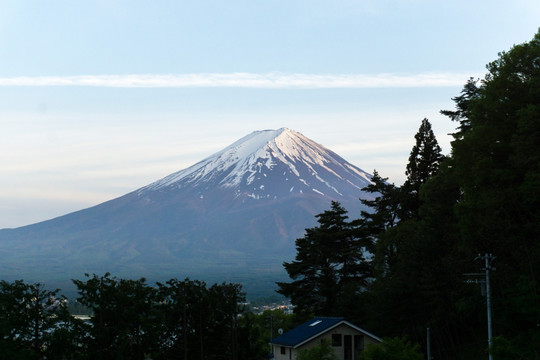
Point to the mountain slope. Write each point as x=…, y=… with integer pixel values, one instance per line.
x=235, y=212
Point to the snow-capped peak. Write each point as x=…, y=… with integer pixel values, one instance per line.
x=256, y=155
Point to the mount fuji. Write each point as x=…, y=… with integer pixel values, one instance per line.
x=230, y=217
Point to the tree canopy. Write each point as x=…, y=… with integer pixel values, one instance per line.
x=484, y=197
x=329, y=264
x=130, y=320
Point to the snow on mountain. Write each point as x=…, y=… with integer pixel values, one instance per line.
x=253, y=157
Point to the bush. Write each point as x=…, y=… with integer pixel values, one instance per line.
x=392, y=349
x=324, y=351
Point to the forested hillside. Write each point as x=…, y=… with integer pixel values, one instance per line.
x=424, y=237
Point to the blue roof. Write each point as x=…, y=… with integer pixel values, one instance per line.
x=306, y=331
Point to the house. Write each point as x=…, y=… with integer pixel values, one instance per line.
x=347, y=340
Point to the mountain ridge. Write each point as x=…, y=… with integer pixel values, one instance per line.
x=235, y=212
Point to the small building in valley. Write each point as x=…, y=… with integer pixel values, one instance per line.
x=347, y=339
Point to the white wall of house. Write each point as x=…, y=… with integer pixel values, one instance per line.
x=283, y=352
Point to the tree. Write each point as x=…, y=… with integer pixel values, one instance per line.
x=424, y=162
x=329, y=260
x=416, y=245
x=225, y=306
x=385, y=207
x=183, y=311
x=497, y=163
x=393, y=205
x=130, y=320
x=27, y=316
x=197, y=322
x=425, y=157
x=469, y=93
x=323, y=351
x=123, y=322
x=67, y=340
x=254, y=332
x=392, y=349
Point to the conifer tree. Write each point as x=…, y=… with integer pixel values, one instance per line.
x=385, y=206
x=470, y=92
x=423, y=164
x=384, y=214
x=329, y=260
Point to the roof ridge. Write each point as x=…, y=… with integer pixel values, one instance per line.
x=328, y=317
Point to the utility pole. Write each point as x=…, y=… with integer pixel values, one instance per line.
x=488, y=258
x=428, y=344
x=271, y=334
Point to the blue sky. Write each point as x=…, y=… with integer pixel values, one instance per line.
x=99, y=98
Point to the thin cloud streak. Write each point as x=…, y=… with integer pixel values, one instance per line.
x=272, y=80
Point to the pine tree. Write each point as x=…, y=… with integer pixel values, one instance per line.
x=384, y=214
x=470, y=92
x=423, y=164
x=329, y=261
x=385, y=206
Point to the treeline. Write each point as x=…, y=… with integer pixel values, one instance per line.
x=400, y=268
x=131, y=320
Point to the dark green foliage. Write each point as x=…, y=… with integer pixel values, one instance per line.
x=395, y=205
x=484, y=198
x=175, y=320
x=424, y=159
x=498, y=166
x=254, y=332
x=518, y=349
x=384, y=215
x=392, y=349
x=469, y=93
x=182, y=308
x=67, y=341
x=329, y=265
x=131, y=320
x=385, y=208
x=323, y=351
x=423, y=164
x=27, y=315
x=123, y=325
x=421, y=279
x=253, y=335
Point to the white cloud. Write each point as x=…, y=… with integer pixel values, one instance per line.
x=273, y=80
